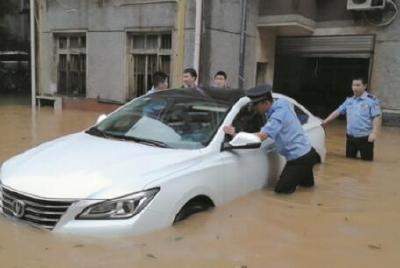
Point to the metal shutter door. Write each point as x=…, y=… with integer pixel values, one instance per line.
x=348, y=46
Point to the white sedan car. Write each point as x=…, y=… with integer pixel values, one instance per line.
x=151, y=163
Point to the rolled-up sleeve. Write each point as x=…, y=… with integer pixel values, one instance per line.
x=274, y=123
x=343, y=108
x=375, y=109
x=272, y=127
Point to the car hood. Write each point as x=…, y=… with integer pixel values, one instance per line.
x=81, y=166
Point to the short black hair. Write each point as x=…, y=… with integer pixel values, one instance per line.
x=268, y=96
x=360, y=78
x=159, y=77
x=222, y=73
x=190, y=71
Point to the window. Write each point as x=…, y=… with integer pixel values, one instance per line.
x=71, y=64
x=170, y=119
x=248, y=119
x=301, y=115
x=149, y=53
x=24, y=6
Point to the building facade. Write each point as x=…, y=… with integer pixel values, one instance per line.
x=308, y=49
x=109, y=49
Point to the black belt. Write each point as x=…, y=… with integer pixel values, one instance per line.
x=356, y=138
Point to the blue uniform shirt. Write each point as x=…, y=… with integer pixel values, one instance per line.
x=360, y=111
x=285, y=129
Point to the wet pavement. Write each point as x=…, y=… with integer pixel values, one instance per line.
x=350, y=219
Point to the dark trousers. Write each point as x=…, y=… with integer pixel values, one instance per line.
x=356, y=144
x=297, y=172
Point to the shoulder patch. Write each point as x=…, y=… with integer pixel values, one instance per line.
x=371, y=96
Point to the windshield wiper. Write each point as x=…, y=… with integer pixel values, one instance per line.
x=151, y=142
x=142, y=140
x=97, y=132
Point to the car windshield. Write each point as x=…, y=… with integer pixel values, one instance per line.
x=181, y=118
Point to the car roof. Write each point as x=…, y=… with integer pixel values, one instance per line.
x=226, y=96
x=221, y=95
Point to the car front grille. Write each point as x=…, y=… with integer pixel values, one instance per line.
x=42, y=213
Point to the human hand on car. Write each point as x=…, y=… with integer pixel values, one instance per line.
x=230, y=130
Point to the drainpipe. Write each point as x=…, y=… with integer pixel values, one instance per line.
x=197, y=40
x=242, y=42
x=33, y=54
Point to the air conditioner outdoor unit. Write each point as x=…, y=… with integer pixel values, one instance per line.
x=365, y=4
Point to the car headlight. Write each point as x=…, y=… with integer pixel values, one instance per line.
x=120, y=208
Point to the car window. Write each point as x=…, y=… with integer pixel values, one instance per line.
x=178, y=121
x=301, y=115
x=249, y=120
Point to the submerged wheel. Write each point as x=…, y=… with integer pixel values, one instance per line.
x=194, y=205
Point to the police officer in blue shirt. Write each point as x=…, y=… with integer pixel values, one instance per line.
x=363, y=121
x=285, y=129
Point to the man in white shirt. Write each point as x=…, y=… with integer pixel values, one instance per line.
x=189, y=78
x=160, y=82
x=220, y=79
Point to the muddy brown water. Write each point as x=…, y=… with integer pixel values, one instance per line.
x=350, y=219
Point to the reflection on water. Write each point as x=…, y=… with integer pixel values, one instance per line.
x=350, y=219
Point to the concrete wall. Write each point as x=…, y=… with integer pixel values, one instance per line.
x=314, y=9
x=306, y=8
x=251, y=43
x=106, y=65
x=190, y=21
x=221, y=45
x=266, y=43
x=332, y=10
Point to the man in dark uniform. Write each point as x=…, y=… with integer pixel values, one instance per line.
x=363, y=121
x=285, y=129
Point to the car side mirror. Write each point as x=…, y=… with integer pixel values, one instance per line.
x=101, y=118
x=242, y=140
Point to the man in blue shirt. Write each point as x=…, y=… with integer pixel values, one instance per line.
x=363, y=121
x=285, y=129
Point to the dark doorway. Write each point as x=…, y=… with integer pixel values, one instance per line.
x=320, y=84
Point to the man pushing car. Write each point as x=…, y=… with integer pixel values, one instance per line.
x=285, y=129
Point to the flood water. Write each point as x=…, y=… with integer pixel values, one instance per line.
x=350, y=219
